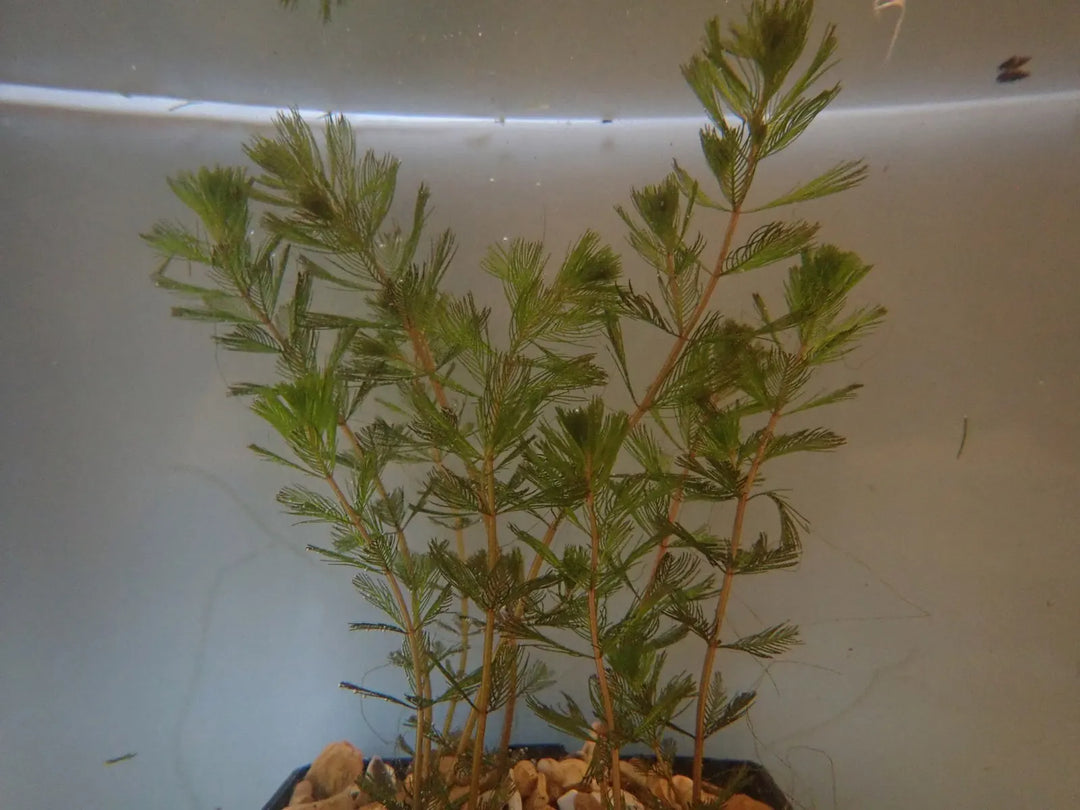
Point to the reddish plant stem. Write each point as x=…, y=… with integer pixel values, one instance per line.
x=722, y=604
x=695, y=317
x=598, y=654
x=420, y=762
x=519, y=611
x=483, y=699
x=463, y=631
x=422, y=350
x=673, y=515
x=422, y=744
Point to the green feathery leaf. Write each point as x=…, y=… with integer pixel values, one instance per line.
x=839, y=178
x=767, y=643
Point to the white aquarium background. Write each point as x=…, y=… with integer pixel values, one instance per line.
x=153, y=601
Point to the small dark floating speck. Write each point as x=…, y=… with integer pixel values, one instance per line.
x=1014, y=62
x=1011, y=69
x=1008, y=76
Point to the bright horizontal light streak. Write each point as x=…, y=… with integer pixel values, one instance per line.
x=111, y=103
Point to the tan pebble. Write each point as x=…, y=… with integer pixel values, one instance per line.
x=339, y=765
x=661, y=789
x=546, y=768
x=371, y=806
x=569, y=772
x=340, y=801
x=525, y=776
x=302, y=793
x=587, y=801
x=740, y=801
x=635, y=778
x=684, y=788
x=546, y=765
x=578, y=800
x=540, y=797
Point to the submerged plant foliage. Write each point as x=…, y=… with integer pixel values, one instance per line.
x=562, y=523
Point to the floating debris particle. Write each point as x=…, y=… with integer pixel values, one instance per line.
x=1007, y=76
x=1011, y=70
x=879, y=6
x=1014, y=62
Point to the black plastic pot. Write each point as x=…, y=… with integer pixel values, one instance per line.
x=749, y=777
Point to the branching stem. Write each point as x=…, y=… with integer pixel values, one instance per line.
x=643, y=407
x=725, y=591
x=412, y=634
x=519, y=611
x=483, y=699
x=598, y=652
x=422, y=746
x=695, y=317
x=673, y=515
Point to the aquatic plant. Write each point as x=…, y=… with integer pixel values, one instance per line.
x=562, y=522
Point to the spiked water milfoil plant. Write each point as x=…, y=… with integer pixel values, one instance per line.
x=499, y=508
